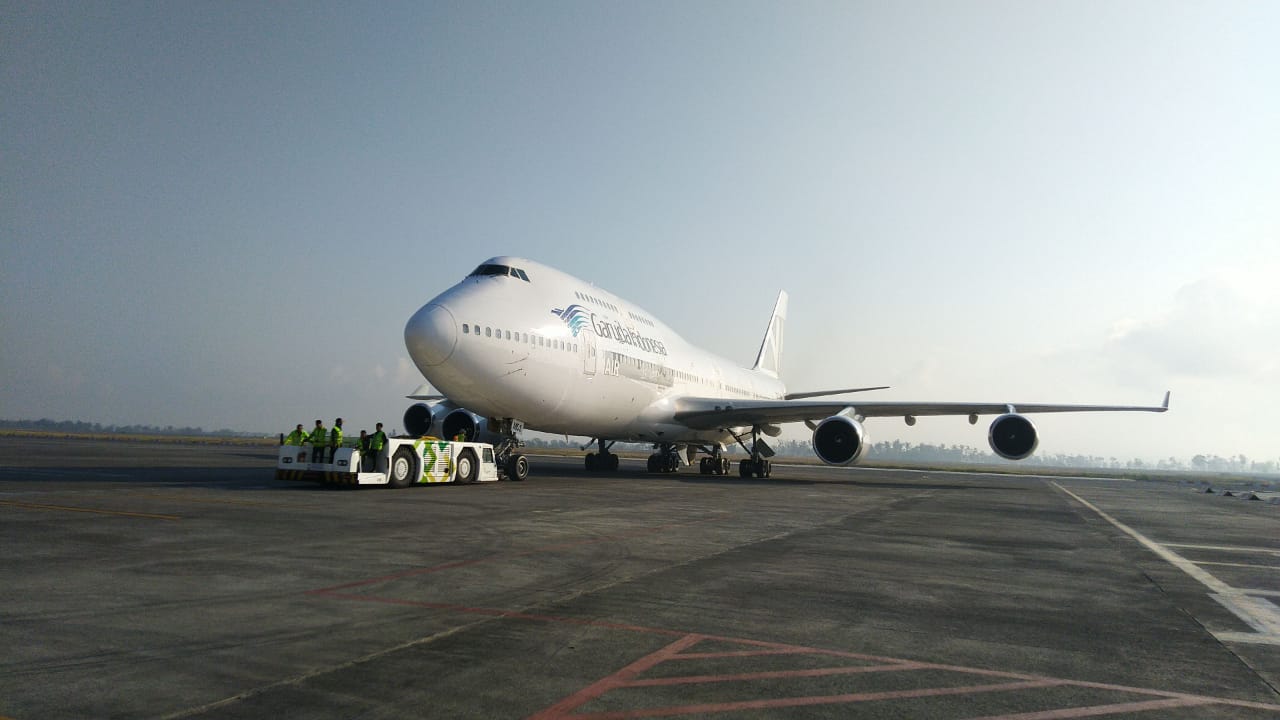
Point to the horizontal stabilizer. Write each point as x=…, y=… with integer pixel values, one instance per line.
x=425, y=392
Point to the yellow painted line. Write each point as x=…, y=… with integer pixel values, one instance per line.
x=37, y=506
x=174, y=498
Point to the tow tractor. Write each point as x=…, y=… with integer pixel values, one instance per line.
x=403, y=462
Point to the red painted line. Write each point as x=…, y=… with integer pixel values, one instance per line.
x=506, y=556
x=769, y=648
x=805, y=701
x=616, y=680
x=1097, y=710
x=772, y=674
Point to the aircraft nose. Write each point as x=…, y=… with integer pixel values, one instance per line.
x=431, y=335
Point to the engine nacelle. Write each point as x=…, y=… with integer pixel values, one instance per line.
x=460, y=421
x=839, y=440
x=446, y=420
x=418, y=420
x=1012, y=437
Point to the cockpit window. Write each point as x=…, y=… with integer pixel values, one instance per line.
x=490, y=269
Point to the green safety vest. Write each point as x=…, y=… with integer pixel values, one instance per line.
x=335, y=437
x=318, y=435
x=297, y=437
x=377, y=440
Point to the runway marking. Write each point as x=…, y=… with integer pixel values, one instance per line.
x=99, y=511
x=1097, y=710
x=1256, y=612
x=1243, y=565
x=172, y=498
x=630, y=677
x=1225, y=548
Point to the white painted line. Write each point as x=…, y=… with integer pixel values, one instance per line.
x=1256, y=612
x=1244, y=565
x=1244, y=637
x=1225, y=548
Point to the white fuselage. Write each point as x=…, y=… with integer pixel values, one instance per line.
x=525, y=341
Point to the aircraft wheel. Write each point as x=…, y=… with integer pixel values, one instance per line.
x=613, y=463
x=744, y=468
x=517, y=467
x=467, y=468
x=403, y=464
x=591, y=461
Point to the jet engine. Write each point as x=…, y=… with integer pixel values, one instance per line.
x=418, y=420
x=839, y=440
x=1012, y=437
x=445, y=420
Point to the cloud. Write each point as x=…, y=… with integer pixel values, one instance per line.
x=1223, y=325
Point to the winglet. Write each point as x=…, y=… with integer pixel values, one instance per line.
x=1165, y=406
x=769, y=359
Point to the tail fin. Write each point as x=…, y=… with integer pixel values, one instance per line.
x=769, y=360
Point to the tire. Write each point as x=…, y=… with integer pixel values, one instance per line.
x=467, y=467
x=517, y=467
x=744, y=468
x=403, y=470
x=590, y=461
x=613, y=463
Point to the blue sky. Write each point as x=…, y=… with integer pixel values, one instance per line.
x=222, y=214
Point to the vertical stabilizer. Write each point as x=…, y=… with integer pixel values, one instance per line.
x=769, y=361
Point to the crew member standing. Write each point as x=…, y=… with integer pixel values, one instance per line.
x=377, y=441
x=319, y=438
x=364, y=451
x=297, y=437
x=335, y=439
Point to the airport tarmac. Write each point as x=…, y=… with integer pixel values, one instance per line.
x=184, y=581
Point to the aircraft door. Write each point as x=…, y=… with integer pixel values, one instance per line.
x=589, y=353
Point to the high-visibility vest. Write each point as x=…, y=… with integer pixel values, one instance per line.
x=318, y=435
x=377, y=440
x=296, y=437
x=335, y=437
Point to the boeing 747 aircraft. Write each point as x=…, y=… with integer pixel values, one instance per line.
x=519, y=345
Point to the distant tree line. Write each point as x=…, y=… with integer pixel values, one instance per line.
x=80, y=426
x=898, y=451
x=895, y=450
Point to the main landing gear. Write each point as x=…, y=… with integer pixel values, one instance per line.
x=716, y=463
x=606, y=460
x=666, y=460
x=758, y=464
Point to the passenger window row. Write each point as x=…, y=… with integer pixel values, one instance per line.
x=520, y=337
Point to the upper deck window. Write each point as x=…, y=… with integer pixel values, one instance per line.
x=489, y=269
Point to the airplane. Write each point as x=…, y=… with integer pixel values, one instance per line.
x=518, y=344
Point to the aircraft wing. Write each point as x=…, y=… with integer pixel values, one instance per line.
x=710, y=413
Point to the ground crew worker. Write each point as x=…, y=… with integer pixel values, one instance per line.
x=335, y=439
x=319, y=437
x=461, y=436
x=297, y=437
x=364, y=451
x=377, y=441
